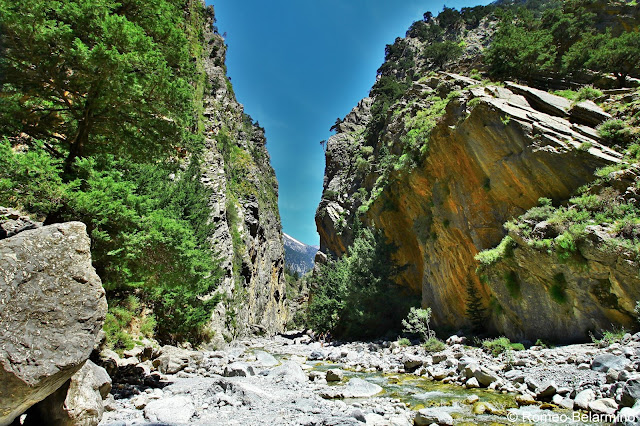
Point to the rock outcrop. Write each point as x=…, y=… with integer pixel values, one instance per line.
x=52, y=306
x=244, y=208
x=491, y=156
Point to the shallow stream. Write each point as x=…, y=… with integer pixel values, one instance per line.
x=420, y=393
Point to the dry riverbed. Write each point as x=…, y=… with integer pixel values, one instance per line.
x=292, y=380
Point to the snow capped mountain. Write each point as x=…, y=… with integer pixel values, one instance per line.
x=298, y=256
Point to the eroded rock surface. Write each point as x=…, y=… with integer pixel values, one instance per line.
x=52, y=306
x=492, y=155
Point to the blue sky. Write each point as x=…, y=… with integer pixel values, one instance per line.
x=297, y=65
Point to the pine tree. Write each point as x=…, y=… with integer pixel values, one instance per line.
x=475, y=309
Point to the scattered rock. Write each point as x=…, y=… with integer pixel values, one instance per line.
x=359, y=388
x=238, y=369
x=583, y=399
x=77, y=402
x=290, y=371
x=603, y=406
x=334, y=375
x=526, y=399
x=630, y=393
x=13, y=222
x=266, y=359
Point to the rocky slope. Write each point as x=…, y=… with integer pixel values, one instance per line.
x=453, y=159
x=244, y=207
x=298, y=256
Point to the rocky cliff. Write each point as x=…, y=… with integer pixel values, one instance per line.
x=244, y=206
x=493, y=153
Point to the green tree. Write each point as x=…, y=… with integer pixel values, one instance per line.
x=475, y=310
x=519, y=49
x=617, y=55
x=97, y=76
x=356, y=296
x=442, y=53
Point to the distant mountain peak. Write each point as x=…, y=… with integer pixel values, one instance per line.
x=298, y=255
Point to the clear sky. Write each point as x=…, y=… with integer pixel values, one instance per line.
x=297, y=65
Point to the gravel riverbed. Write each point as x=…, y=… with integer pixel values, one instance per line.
x=293, y=380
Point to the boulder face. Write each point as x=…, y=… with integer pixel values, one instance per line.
x=244, y=208
x=491, y=156
x=76, y=403
x=52, y=307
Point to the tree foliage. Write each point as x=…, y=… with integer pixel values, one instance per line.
x=96, y=119
x=97, y=76
x=356, y=296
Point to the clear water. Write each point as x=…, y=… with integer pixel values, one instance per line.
x=419, y=393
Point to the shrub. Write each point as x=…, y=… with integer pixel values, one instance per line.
x=493, y=256
x=609, y=337
x=417, y=322
x=500, y=345
x=588, y=93
x=355, y=296
x=434, y=345
x=615, y=132
x=404, y=342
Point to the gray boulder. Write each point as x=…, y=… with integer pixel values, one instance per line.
x=238, y=369
x=52, y=307
x=606, y=362
x=583, y=399
x=630, y=393
x=587, y=112
x=358, y=388
x=289, y=371
x=266, y=359
x=173, y=359
x=78, y=402
x=176, y=409
x=334, y=375
x=428, y=416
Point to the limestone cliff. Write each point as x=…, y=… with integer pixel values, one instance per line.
x=441, y=161
x=491, y=156
x=244, y=206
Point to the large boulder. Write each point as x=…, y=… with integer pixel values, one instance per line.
x=173, y=359
x=52, y=307
x=77, y=403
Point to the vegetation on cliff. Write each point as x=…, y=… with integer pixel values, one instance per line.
x=100, y=122
x=396, y=182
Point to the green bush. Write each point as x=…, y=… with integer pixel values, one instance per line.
x=588, y=93
x=500, y=345
x=492, y=256
x=404, y=342
x=615, y=132
x=434, y=345
x=609, y=337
